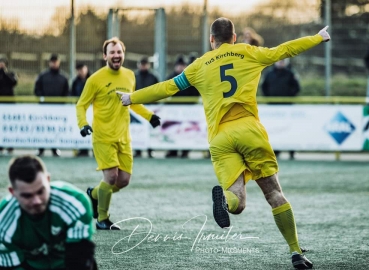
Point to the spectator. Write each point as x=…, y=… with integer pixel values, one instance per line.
x=76, y=91
x=191, y=91
x=52, y=83
x=80, y=80
x=7, y=82
x=179, y=67
x=281, y=82
x=249, y=36
x=144, y=78
x=366, y=61
x=44, y=225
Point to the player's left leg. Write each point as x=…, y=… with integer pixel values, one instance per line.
x=106, y=156
x=125, y=159
x=284, y=218
x=236, y=196
x=229, y=167
x=231, y=200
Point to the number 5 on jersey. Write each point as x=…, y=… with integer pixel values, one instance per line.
x=228, y=78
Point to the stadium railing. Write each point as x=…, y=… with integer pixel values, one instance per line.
x=261, y=100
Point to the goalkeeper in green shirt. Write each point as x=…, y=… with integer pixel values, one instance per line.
x=44, y=225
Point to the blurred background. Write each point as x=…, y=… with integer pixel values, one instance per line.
x=31, y=30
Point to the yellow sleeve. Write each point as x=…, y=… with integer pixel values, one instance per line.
x=85, y=100
x=142, y=110
x=268, y=56
x=155, y=92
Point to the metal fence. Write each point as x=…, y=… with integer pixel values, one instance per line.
x=28, y=45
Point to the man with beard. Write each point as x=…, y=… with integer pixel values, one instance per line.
x=44, y=225
x=111, y=135
x=52, y=83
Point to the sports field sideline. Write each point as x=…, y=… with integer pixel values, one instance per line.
x=170, y=202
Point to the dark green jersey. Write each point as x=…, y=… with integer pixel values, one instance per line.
x=41, y=242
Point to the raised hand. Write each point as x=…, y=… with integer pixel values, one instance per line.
x=325, y=35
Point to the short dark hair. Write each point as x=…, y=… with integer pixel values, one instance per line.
x=4, y=60
x=144, y=60
x=80, y=65
x=25, y=168
x=113, y=40
x=54, y=57
x=222, y=29
x=180, y=60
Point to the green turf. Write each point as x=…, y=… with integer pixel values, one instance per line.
x=330, y=201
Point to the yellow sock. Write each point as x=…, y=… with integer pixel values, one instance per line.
x=115, y=188
x=232, y=200
x=283, y=216
x=104, y=196
x=94, y=191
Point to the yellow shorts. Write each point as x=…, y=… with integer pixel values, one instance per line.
x=242, y=146
x=110, y=155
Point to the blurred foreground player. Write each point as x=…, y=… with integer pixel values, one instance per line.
x=227, y=79
x=44, y=225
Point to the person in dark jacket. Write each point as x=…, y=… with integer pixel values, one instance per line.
x=144, y=78
x=281, y=82
x=7, y=82
x=366, y=62
x=76, y=91
x=80, y=80
x=179, y=66
x=54, y=83
x=7, y=79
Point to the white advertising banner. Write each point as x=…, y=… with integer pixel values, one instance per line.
x=41, y=125
x=313, y=127
x=54, y=126
x=182, y=127
x=290, y=127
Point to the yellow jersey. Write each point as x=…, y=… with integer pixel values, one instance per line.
x=226, y=76
x=111, y=120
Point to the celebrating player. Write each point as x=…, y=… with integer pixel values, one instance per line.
x=111, y=135
x=44, y=225
x=227, y=79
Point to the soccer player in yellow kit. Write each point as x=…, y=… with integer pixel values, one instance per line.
x=227, y=78
x=111, y=135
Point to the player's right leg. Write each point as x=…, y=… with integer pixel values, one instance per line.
x=106, y=156
x=284, y=218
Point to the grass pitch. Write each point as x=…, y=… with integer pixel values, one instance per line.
x=167, y=223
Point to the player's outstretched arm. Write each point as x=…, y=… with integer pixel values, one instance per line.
x=150, y=94
x=325, y=35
